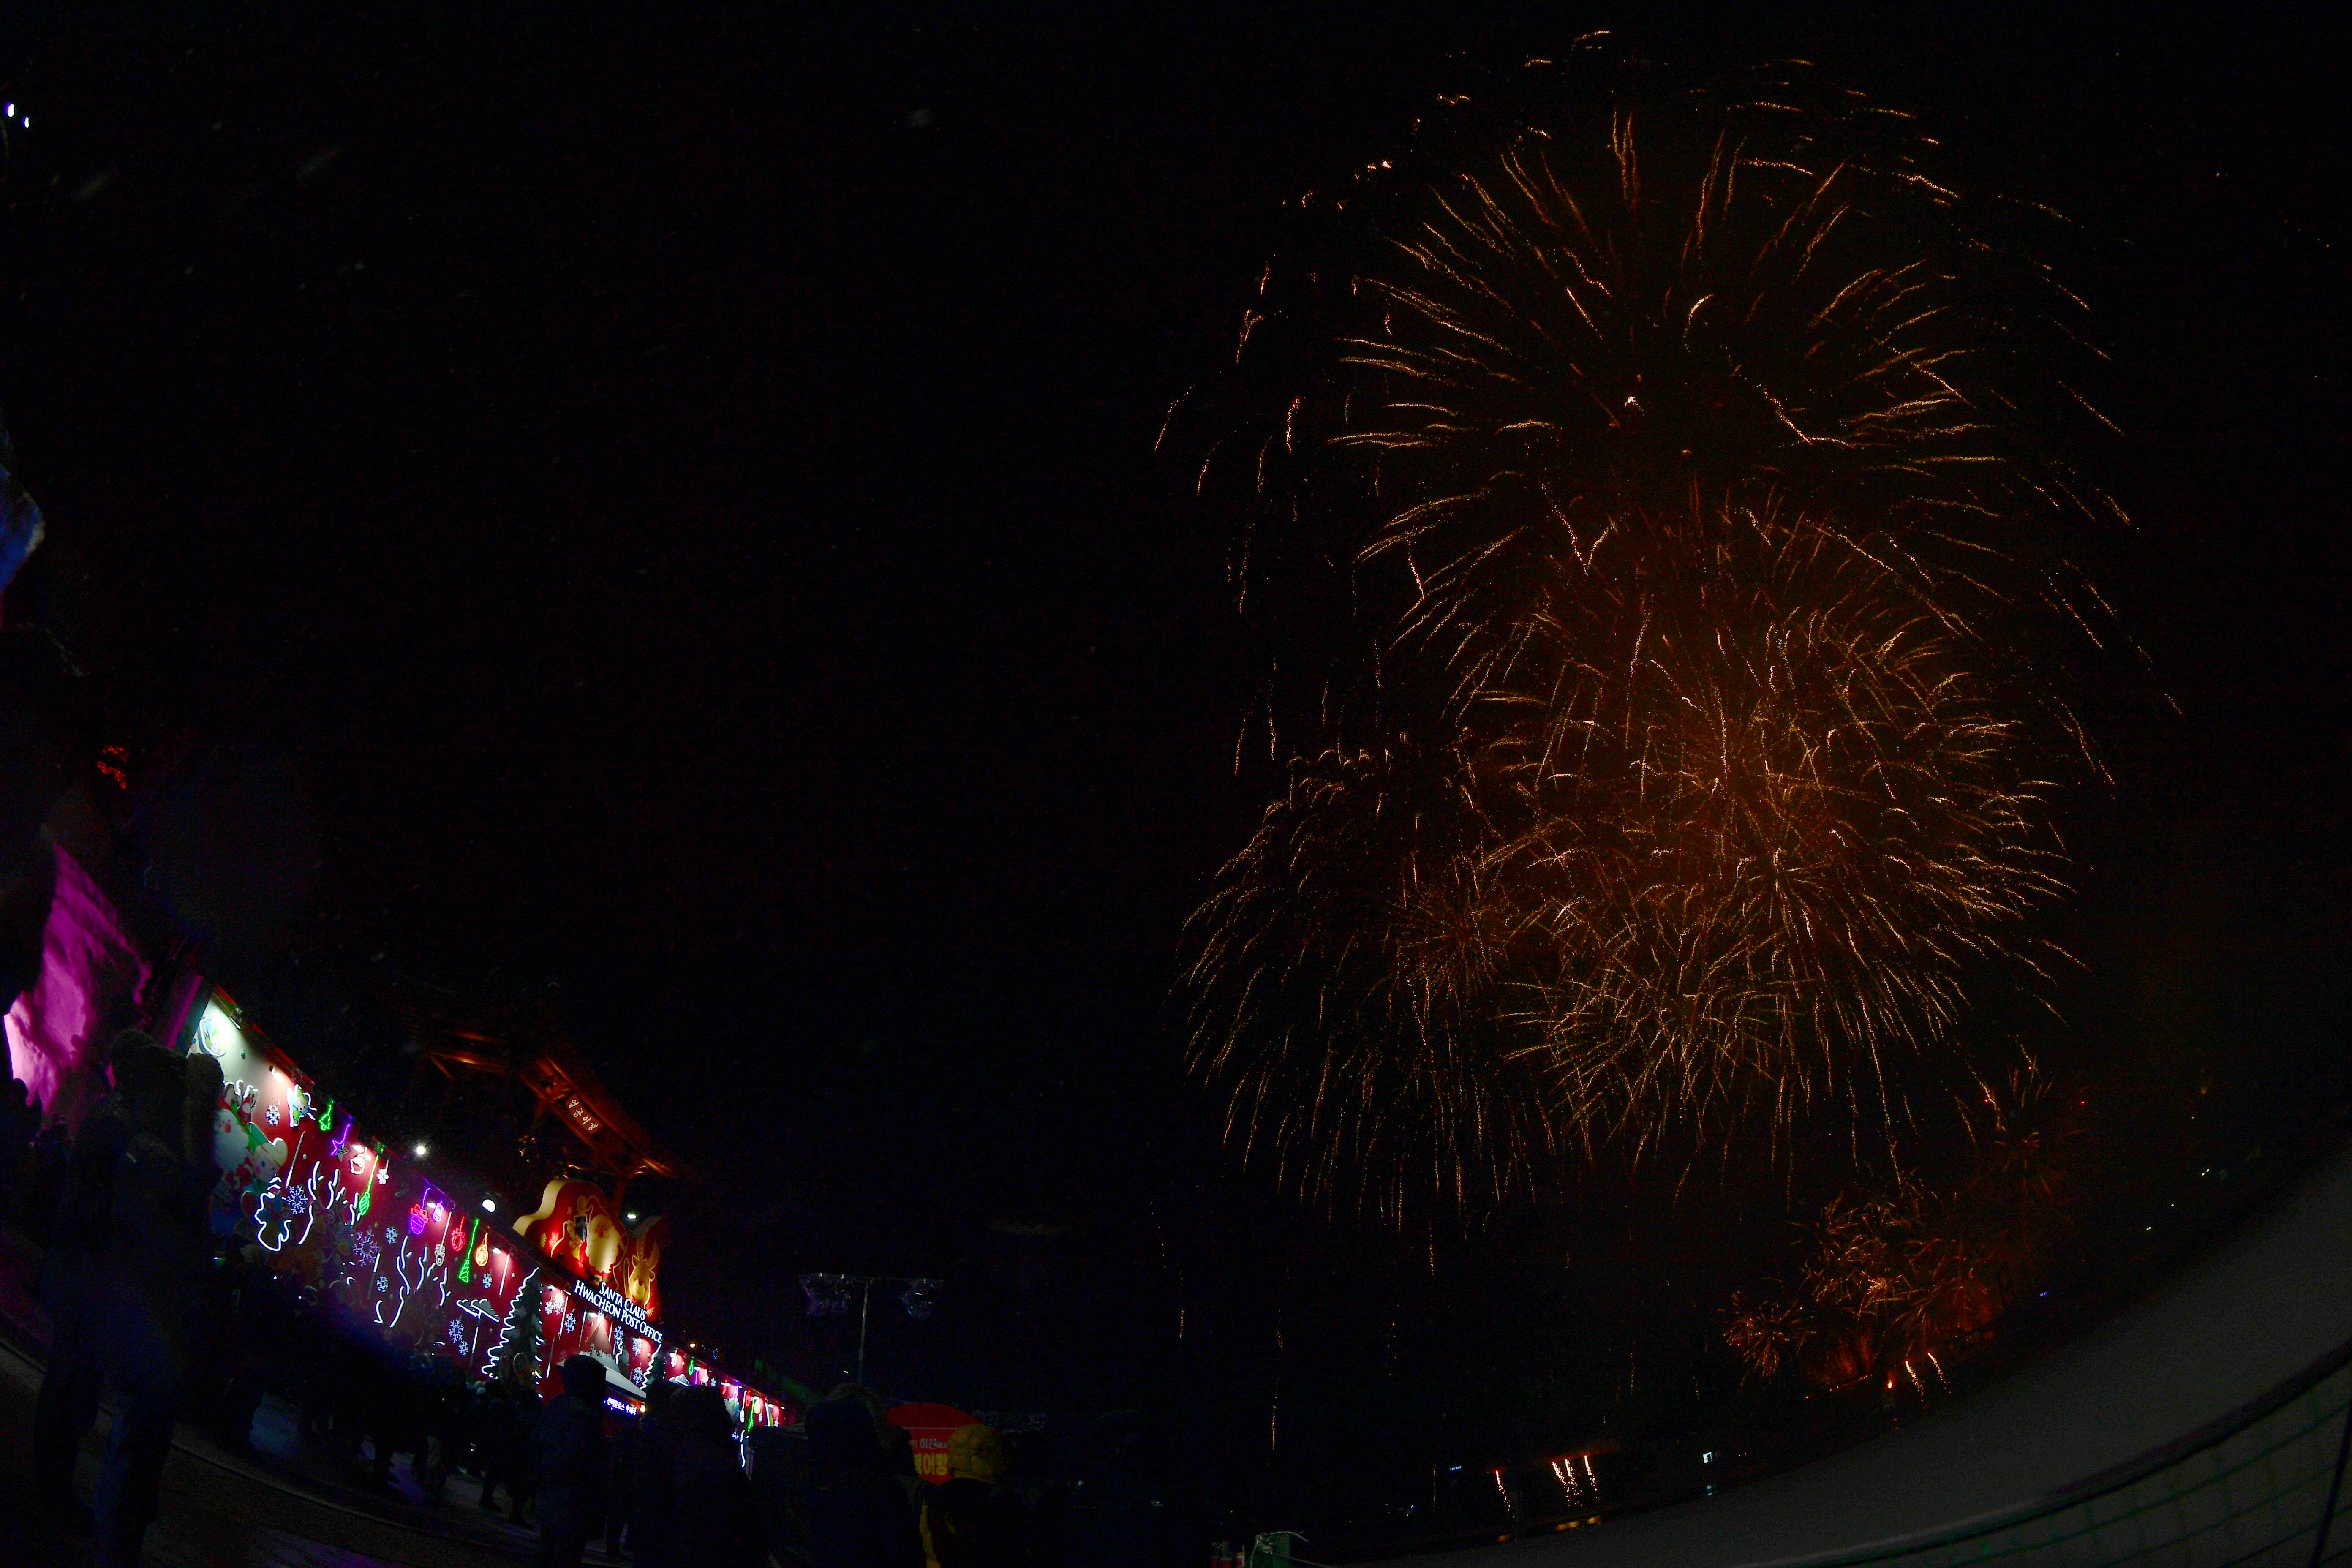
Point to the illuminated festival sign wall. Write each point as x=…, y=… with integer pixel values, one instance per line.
x=623, y=1312
x=299, y=1176
x=574, y=1224
x=748, y=1406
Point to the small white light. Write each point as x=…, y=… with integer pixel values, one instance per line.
x=1708, y=1458
x=630, y=1217
x=489, y=1206
x=420, y=1150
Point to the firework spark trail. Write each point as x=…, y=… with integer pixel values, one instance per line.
x=1359, y=932
x=1697, y=513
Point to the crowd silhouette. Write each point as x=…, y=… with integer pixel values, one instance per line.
x=146, y=1301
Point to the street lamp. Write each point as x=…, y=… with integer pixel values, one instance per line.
x=830, y=1293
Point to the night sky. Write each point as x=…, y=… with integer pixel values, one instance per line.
x=664, y=516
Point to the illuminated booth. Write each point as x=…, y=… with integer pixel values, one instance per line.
x=431, y=1267
x=931, y=1429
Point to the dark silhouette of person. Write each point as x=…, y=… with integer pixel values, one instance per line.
x=157, y=1245
x=52, y=1155
x=860, y=1517
x=568, y=1463
x=36, y=739
x=653, y=1497
x=779, y=1488
x=625, y=1457
x=715, y=1519
x=442, y=1398
x=78, y=1282
x=899, y=1459
x=20, y=1120
x=271, y=1344
x=506, y=1416
x=394, y=1410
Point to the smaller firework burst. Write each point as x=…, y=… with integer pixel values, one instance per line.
x=1346, y=974
x=1766, y=1332
x=1892, y=1279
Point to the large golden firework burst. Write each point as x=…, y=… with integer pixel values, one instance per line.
x=1694, y=526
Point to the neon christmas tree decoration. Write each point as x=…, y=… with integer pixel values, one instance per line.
x=518, y=1333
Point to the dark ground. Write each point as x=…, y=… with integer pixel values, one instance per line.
x=283, y=1509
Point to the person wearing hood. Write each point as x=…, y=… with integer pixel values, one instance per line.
x=974, y=1518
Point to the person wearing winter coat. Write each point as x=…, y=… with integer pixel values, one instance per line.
x=858, y=1516
x=158, y=1248
x=974, y=1518
x=76, y=1285
x=717, y=1525
x=568, y=1464
x=651, y=1501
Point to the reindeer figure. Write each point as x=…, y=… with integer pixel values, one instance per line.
x=323, y=1191
x=407, y=1284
